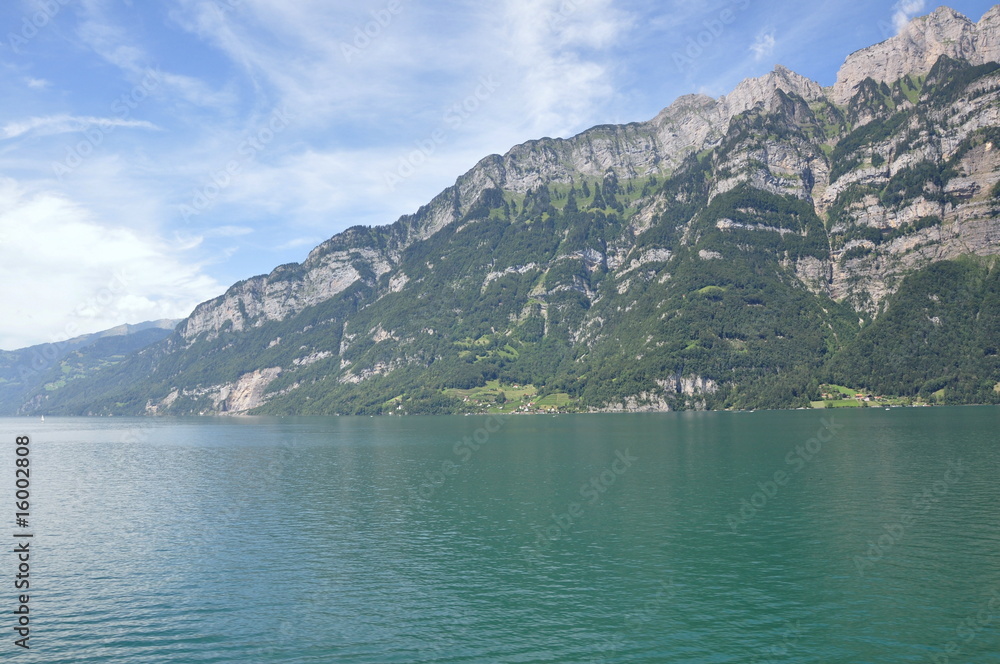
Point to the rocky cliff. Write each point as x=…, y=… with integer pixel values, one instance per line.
x=918, y=47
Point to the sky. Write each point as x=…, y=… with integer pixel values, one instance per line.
x=153, y=152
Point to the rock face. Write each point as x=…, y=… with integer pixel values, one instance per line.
x=917, y=48
x=754, y=91
x=286, y=291
x=248, y=392
x=233, y=398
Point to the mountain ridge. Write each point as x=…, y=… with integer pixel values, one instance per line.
x=495, y=169
x=26, y=369
x=720, y=254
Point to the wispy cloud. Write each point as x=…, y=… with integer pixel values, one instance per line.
x=549, y=51
x=763, y=46
x=199, y=93
x=62, y=124
x=905, y=10
x=551, y=61
x=296, y=243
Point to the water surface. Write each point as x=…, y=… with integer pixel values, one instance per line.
x=682, y=537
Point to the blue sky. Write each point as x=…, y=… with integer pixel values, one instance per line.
x=154, y=152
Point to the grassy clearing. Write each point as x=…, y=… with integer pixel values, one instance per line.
x=559, y=399
x=496, y=398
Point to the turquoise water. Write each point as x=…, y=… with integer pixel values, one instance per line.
x=688, y=537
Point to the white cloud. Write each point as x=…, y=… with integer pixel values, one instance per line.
x=62, y=124
x=904, y=11
x=763, y=46
x=62, y=273
x=549, y=46
x=37, y=83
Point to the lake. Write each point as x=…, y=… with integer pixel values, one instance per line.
x=859, y=535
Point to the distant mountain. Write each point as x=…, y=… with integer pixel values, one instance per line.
x=729, y=253
x=29, y=373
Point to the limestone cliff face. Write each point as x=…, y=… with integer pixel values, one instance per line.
x=764, y=90
x=234, y=398
x=690, y=124
x=248, y=392
x=286, y=291
x=917, y=48
x=965, y=205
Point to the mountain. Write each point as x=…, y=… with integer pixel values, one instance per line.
x=729, y=253
x=31, y=373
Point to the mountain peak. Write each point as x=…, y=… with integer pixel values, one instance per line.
x=918, y=46
x=943, y=13
x=751, y=91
